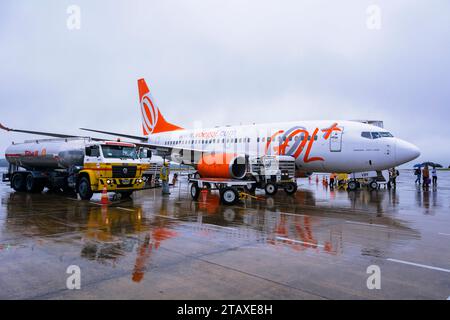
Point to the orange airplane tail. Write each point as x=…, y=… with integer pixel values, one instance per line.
x=152, y=118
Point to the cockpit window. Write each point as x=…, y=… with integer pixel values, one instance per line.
x=376, y=135
x=386, y=135
x=366, y=135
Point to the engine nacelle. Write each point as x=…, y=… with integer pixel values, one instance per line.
x=222, y=165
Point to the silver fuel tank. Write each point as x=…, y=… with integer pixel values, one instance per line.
x=47, y=153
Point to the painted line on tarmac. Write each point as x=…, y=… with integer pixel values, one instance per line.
x=444, y=234
x=161, y=216
x=131, y=210
x=419, y=265
x=300, y=242
x=293, y=214
x=366, y=224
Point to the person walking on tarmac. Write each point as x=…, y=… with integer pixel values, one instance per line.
x=434, y=175
x=165, y=172
x=418, y=174
x=426, y=177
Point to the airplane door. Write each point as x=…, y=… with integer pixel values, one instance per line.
x=247, y=145
x=336, y=140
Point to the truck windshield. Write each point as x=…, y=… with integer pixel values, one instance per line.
x=121, y=152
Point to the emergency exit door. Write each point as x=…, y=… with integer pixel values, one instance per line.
x=336, y=140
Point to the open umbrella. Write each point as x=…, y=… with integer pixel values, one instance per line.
x=431, y=164
x=418, y=165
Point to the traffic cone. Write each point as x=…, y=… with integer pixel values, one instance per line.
x=104, y=199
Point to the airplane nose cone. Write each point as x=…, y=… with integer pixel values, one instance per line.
x=406, y=152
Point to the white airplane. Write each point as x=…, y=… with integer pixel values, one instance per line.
x=318, y=146
x=322, y=146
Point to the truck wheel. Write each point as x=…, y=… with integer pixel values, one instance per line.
x=229, y=196
x=84, y=189
x=352, y=185
x=195, y=191
x=271, y=189
x=373, y=185
x=251, y=187
x=290, y=188
x=18, y=182
x=207, y=186
x=125, y=194
x=33, y=185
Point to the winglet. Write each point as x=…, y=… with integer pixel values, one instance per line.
x=4, y=128
x=152, y=119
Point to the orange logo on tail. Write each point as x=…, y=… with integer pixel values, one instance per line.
x=152, y=119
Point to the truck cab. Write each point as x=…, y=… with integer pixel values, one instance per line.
x=111, y=165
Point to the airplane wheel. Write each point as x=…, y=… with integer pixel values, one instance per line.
x=271, y=189
x=18, y=182
x=373, y=185
x=352, y=186
x=229, y=196
x=195, y=191
x=33, y=185
x=290, y=188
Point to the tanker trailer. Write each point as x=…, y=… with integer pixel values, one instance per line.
x=74, y=164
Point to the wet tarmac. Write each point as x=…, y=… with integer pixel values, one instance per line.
x=317, y=244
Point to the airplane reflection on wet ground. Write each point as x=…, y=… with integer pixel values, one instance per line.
x=317, y=244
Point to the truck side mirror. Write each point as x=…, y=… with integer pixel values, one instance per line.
x=87, y=151
x=148, y=154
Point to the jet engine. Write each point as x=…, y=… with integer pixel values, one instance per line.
x=222, y=165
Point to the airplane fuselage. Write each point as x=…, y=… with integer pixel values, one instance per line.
x=317, y=146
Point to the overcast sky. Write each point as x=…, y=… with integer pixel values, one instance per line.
x=227, y=62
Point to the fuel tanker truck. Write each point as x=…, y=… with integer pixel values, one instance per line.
x=75, y=164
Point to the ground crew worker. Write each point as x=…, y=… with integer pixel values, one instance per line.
x=333, y=178
x=164, y=175
x=174, y=179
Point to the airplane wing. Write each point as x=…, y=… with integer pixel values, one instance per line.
x=48, y=134
x=160, y=149
x=140, y=138
x=185, y=155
